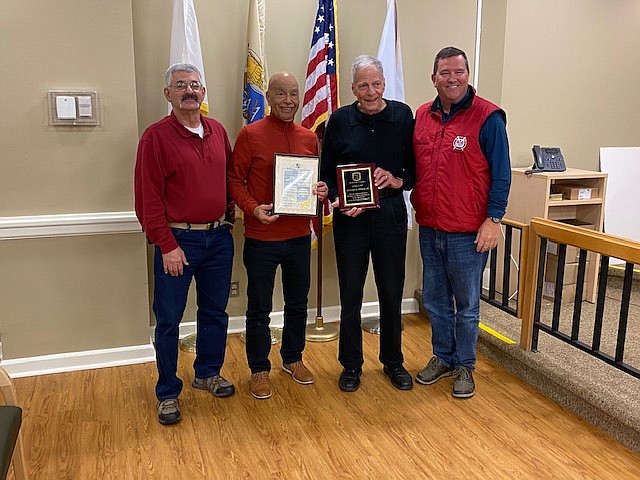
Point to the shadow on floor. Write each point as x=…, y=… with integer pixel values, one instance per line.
x=594, y=390
x=589, y=387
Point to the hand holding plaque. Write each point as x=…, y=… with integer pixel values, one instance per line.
x=356, y=186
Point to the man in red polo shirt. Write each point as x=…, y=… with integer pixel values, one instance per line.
x=182, y=204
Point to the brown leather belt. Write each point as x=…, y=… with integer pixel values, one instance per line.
x=197, y=226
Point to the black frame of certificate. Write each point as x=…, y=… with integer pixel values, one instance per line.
x=370, y=195
x=312, y=164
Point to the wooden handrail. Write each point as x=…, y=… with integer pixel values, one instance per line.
x=513, y=223
x=591, y=240
x=599, y=242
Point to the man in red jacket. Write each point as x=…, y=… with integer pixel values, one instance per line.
x=182, y=204
x=463, y=174
x=273, y=240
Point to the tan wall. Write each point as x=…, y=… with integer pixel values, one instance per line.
x=570, y=71
x=69, y=294
x=552, y=87
x=73, y=294
x=288, y=35
x=489, y=83
x=76, y=44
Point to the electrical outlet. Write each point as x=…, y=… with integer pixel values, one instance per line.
x=234, y=291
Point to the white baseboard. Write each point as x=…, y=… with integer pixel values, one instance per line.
x=87, y=360
x=329, y=315
x=113, y=357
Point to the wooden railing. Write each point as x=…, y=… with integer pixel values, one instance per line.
x=608, y=246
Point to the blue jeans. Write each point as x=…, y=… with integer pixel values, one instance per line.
x=210, y=257
x=261, y=259
x=452, y=271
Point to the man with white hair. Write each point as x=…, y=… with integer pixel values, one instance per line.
x=371, y=130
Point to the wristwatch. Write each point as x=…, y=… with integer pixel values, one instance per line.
x=495, y=219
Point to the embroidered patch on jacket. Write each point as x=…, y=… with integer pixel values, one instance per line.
x=459, y=143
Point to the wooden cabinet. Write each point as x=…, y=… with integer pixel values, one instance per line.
x=573, y=196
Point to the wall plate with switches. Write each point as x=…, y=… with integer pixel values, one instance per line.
x=234, y=291
x=73, y=107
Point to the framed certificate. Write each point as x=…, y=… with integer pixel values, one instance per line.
x=356, y=187
x=293, y=179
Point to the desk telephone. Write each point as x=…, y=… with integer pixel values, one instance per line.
x=547, y=159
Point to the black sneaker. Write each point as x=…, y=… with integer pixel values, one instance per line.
x=349, y=380
x=168, y=411
x=434, y=371
x=464, y=386
x=216, y=386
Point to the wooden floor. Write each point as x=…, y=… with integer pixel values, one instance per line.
x=101, y=424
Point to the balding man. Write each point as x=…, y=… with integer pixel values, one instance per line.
x=273, y=240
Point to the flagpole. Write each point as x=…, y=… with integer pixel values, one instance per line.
x=254, y=103
x=185, y=48
x=319, y=332
x=390, y=55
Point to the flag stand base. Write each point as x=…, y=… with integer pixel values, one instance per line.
x=372, y=325
x=276, y=335
x=188, y=343
x=319, y=332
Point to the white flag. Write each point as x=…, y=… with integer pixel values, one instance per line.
x=390, y=55
x=185, y=42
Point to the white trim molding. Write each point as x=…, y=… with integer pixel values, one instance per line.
x=65, y=225
x=330, y=315
x=114, y=357
x=72, y=361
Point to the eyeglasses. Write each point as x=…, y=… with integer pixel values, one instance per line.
x=182, y=86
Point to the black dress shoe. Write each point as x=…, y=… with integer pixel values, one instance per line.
x=400, y=378
x=349, y=380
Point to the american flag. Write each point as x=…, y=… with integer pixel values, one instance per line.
x=321, y=85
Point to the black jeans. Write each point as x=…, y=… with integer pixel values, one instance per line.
x=381, y=233
x=261, y=259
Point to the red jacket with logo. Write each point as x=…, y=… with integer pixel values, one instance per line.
x=452, y=174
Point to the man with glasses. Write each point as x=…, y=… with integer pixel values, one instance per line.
x=182, y=204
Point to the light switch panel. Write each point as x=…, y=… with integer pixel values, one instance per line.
x=65, y=107
x=73, y=108
x=84, y=106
